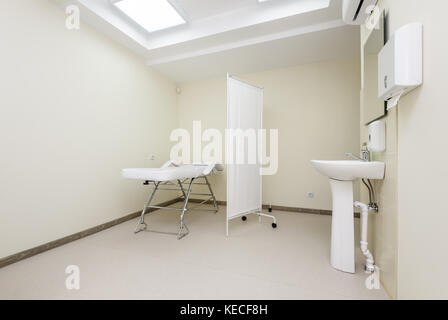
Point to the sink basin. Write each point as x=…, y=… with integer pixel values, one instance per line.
x=350, y=170
x=341, y=175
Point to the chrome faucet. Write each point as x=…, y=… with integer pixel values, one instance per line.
x=351, y=155
x=365, y=154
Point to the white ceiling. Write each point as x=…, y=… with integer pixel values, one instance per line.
x=236, y=36
x=325, y=45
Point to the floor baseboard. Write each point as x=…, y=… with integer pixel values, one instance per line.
x=76, y=236
x=299, y=210
x=281, y=208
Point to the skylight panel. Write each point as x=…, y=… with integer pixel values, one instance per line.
x=151, y=15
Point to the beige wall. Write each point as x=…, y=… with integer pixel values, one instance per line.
x=383, y=225
x=75, y=108
x=316, y=109
x=421, y=171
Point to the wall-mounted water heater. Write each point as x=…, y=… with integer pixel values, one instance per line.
x=400, y=63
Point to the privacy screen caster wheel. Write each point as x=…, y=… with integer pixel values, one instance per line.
x=274, y=225
x=244, y=218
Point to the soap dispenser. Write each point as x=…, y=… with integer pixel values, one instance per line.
x=377, y=136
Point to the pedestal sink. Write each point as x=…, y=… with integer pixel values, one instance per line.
x=342, y=174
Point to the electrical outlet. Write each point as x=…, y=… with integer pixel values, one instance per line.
x=310, y=195
x=152, y=157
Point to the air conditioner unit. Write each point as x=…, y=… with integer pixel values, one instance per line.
x=357, y=11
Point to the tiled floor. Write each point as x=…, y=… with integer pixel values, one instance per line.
x=255, y=262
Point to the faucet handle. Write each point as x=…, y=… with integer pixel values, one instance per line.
x=365, y=155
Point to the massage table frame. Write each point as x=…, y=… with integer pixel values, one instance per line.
x=186, y=193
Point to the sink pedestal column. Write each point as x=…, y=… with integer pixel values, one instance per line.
x=342, y=228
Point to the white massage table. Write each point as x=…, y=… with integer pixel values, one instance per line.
x=174, y=176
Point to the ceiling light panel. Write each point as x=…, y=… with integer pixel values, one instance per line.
x=151, y=15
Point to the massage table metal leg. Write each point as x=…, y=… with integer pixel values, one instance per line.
x=182, y=188
x=141, y=222
x=184, y=209
x=212, y=194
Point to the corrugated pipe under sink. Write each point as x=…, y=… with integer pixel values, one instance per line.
x=370, y=263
